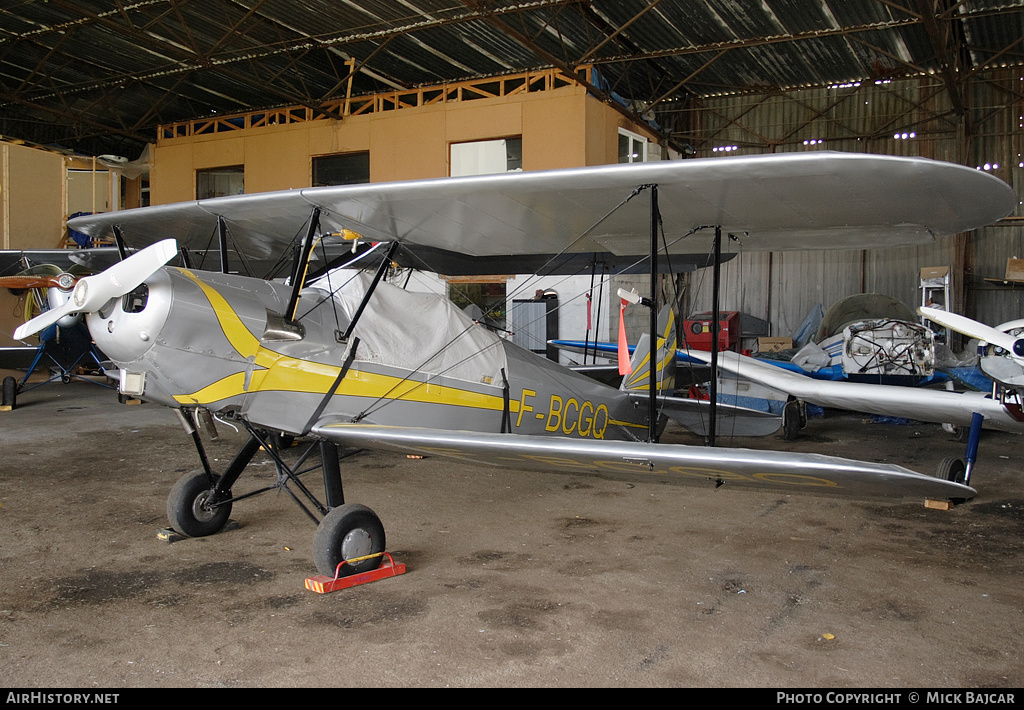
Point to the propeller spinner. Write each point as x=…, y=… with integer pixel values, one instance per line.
x=91, y=292
x=974, y=329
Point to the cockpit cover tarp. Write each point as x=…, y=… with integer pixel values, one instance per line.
x=422, y=332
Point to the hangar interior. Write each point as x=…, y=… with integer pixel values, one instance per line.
x=160, y=102
x=519, y=578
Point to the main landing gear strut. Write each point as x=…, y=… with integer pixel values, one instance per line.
x=200, y=503
x=957, y=470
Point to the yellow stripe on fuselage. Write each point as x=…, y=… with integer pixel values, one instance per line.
x=296, y=375
x=245, y=343
x=276, y=372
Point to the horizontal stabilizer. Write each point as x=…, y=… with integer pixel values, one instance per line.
x=656, y=463
x=694, y=414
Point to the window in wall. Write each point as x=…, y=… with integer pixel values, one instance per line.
x=632, y=147
x=341, y=169
x=219, y=182
x=504, y=155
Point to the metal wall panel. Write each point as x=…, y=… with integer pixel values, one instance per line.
x=867, y=119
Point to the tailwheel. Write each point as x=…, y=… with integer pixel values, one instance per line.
x=959, y=432
x=953, y=469
x=348, y=532
x=189, y=508
x=794, y=418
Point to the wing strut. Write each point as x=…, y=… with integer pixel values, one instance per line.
x=222, y=242
x=715, y=315
x=506, y=413
x=652, y=414
x=122, y=250
x=299, y=270
x=349, y=358
x=381, y=269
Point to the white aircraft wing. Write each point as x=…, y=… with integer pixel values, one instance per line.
x=813, y=200
x=928, y=405
x=655, y=463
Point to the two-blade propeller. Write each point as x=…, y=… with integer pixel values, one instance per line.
x=92, y=292
x=65, y=282
x=973, y=329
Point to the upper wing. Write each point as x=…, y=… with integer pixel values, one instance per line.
x=656, y=463
x=929, y=405
x=783, y=201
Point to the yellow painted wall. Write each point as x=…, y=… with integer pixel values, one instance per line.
x=168, y=182
x=326, y=139
x=553, y=132
x=88, y=191
x=560, y=128
x=602, y=133
x=32, y=196
x=31, y=214
x=407, y=144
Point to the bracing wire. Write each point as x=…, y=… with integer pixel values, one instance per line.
x=383, y=399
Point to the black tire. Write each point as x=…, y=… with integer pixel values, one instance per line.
x=952, y=469
x=10, y=392
x=791, y=420
x=186, y=509
x=347, y=532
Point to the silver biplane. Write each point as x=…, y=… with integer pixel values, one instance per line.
x=350, y=360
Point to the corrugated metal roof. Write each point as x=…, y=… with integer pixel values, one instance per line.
x=98, y=79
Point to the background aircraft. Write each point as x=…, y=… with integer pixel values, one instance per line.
x=999, y=409
x=864, y=338
x=46, y=278
x=359, y=362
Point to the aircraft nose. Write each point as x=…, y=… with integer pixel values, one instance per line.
x=126, y=328
x=93, y=293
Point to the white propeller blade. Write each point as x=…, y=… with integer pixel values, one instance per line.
x=974, y=329
x=92, y=292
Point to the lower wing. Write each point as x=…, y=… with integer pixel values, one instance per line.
x=657, y=463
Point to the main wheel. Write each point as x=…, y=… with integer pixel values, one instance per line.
x=188, y=508
x=10, y=392
x=952, y=469
x=346, y=533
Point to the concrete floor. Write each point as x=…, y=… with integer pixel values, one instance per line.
x=514, y=578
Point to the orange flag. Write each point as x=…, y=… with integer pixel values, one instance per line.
x=624, y=367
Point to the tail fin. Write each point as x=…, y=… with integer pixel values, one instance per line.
x=666, y=357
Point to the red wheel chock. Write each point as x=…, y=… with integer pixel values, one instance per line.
x=322, y=584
